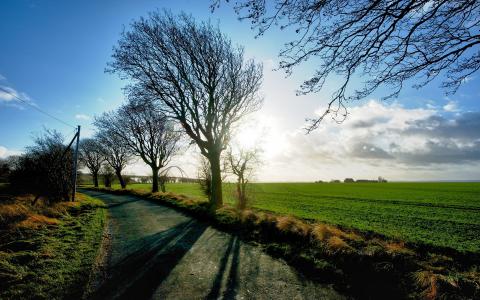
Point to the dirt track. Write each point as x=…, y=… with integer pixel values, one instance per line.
x=159, y=253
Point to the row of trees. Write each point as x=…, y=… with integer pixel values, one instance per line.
x=135, y=129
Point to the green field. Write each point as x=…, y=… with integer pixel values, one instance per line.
x=439, y=214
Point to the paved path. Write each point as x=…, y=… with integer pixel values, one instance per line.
x=159, y=253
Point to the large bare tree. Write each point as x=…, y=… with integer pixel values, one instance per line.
x=389, y=41
x=116, y=153
x=92, y=157
x=198, y=77
x=146, y=132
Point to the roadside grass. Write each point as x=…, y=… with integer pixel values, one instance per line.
x=438, y=214
x=47, y=252
x=362, y=264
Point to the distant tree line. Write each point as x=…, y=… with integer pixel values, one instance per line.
x=351, y=180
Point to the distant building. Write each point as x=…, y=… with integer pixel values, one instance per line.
x=348, y=180
x=335, y=181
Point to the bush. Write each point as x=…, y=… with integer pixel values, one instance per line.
x=45, y=170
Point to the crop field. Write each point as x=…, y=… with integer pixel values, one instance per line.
x=437, y=214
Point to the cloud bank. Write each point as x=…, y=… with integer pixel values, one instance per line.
x=379, y=140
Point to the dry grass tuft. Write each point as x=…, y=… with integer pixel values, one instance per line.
x=337, y=244
x=398, y=248
x=292, y=225
x=249, y=217
x=432, y=282
x=322, y=232
x=10, y=213
x=427, y=280
x=35, y=221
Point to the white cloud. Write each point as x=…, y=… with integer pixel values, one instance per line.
x=2, y=77
x=4, y=152
x=451, y=106
x=82, y=117
x=9, y=96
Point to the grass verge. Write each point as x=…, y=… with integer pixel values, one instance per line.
x=47, y=252
x=361, y=264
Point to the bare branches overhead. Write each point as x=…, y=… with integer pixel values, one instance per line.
x=388, y=41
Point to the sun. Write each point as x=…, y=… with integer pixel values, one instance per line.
x=248, y=138
x=261, y=134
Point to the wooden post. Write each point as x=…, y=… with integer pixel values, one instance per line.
x=75, y=160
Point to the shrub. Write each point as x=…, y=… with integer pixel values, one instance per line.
x=45, y=170
x=293, y=227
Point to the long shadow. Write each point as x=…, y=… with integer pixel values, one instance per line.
x=233, y=250
x=138, y=275
x=217, y=283
x=232, y=281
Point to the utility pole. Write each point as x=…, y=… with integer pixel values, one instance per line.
x=75, y=160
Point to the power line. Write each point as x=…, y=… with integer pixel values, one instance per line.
x=35, y=107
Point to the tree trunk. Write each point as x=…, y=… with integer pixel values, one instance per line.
x=162, y=185
x=95, y=179
x=35, y=200
x=216, y=198
x=120, y=178
x=244, y=194
x=154, y=179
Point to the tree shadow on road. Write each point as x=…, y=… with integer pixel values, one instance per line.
x=233, y=251
x=139, y=274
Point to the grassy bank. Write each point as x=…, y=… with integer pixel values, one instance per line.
x=47, y=252
x=361, y=264
x=439, y=214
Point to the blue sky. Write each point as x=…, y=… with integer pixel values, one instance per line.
x=55, y=52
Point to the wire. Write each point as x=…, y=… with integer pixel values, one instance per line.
x=37, y=108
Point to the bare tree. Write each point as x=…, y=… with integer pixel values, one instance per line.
x=242, y=164
x=146, y=132
x=92, y=157
x=198, y=77
x=116, y=153
x=389, y=41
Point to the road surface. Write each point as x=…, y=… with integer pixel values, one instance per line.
x=159, y=253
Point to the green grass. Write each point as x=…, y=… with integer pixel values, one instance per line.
x=52, y=262
x=437, y=214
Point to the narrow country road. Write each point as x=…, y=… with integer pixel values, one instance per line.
x=159, y=253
